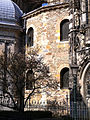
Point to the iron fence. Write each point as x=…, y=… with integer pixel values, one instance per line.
x=57, y=108
x=6, y=101
x=64, y=107
x=82, y=111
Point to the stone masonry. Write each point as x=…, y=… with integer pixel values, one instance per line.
x=46, y=24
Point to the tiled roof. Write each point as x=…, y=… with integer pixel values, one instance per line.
x=9, y=11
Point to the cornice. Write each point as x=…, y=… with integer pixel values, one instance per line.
x=44, y=9
x=11, y=26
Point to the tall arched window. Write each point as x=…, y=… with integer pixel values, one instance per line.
x=29, y=80
x=64, y=30
x=87, y=83
x=64, y=78
x=30, y=35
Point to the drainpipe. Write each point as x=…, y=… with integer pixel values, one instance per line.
x=24, y=29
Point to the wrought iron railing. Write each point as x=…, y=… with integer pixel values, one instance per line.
x=6, y=101
x=82, y=111
x=58, y=108
x=63, y=107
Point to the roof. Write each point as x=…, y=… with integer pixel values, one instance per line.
x=9, y=12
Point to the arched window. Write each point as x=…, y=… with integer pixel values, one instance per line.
x=64, y=78
x=30, y=35
x=87, y=83
x=64, y=30
x=29, y=80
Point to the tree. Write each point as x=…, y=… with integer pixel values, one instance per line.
x=18, y=73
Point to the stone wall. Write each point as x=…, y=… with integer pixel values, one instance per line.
x=46, y=25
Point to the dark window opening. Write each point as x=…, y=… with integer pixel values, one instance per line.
x=88, y=89
x=64, y=78
x=30, y=37
x=77, y=4
x=64, y=30
x=29, y=80
x=87, y=82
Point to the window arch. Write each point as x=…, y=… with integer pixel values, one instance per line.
x=29, y=80
x=64, y=30
x=64, y=78
x=30, y=37
x=87, y=82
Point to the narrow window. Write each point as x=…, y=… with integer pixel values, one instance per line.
x=64, y=78
x=64, y=29
x=30, y=37
x=87, y=83
x=29, y=80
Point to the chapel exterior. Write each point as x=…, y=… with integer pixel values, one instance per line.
x=61, y=30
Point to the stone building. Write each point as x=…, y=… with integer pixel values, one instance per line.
x=45, y=28
x=10, y=32
x=10, y=26
x=80, y=50
x=46, y=24
x=48, y=27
